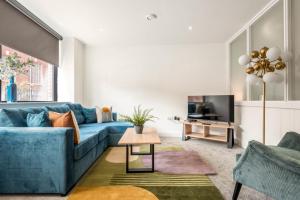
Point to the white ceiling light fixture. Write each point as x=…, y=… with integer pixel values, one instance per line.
x=190, y=28
x=151, y=16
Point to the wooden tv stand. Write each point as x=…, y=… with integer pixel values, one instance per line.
x=205, y=133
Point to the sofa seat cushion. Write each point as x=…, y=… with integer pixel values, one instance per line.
x=94, y=127
x=118, y=127
x=110, y=127
x=87, y=142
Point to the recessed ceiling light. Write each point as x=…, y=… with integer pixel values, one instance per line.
x=100, y=29
x=151, y=16
x=190, y=28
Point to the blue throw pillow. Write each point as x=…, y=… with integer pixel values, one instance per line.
x=38, y=120
x=90, y=115
x=77, y=109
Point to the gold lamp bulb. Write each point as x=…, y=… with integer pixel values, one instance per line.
x=254, y=54
x=263, y=52
x=250, y=70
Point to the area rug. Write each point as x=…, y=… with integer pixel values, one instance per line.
x=112, y=193
x=116, y=155
x=179, y=162
x=162, y=186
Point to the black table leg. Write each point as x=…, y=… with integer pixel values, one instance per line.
x=152, y=152
x=139, y=170
x=127, y=159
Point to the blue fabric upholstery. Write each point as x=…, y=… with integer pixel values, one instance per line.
x=113, y=127
x=59, y=109
x=16, y=117
x=272, y=170
x=36, y=160
x=89, y=115
x=45, y=159
x=87, y=142
x=38, y=120
x=77, y=109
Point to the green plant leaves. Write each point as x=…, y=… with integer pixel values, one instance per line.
x=13, y=65
x=139, y=117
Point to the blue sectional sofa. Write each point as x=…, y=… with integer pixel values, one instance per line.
x=45, y=159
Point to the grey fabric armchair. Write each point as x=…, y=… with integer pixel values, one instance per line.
x=272, y=170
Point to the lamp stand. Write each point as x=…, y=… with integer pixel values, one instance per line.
x=264, y=113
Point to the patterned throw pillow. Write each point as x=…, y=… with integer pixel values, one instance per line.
x=65, y=120
x=38, y=120
x=104, y=114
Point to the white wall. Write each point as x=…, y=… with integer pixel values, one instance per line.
x=281, y=117
x=70, y=71
x=159, y=77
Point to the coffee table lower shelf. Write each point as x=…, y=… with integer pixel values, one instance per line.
x=139, y=170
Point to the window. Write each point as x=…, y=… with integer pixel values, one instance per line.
x=294, y=67
x=268, y=31
x=238, y=47
x=36, y=84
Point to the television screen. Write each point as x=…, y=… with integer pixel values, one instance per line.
x=212, y=108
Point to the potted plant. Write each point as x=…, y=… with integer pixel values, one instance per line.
x=9, y=67
x=139, y=118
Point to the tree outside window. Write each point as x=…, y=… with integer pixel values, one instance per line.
x=36, y=83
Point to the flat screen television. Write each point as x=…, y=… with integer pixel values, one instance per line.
x=211, y=108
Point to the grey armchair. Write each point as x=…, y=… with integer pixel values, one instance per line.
x=272, y=170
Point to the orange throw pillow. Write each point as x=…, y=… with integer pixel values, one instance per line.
x=65, y=120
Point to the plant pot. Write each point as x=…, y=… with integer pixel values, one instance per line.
x=139, y=129
x=11, y=90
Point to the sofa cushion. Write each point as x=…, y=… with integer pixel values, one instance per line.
x=65, y=120
x=112, y=127
x=87, y=142
x=15, y=117
x=77, y=109
x=118, y=127
x=59, y=109
x=89, y=115
x=38, y=120
x=94, y=127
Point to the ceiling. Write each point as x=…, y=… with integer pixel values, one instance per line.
x=123, y=22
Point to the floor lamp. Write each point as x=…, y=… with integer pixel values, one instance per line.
x=262, y=67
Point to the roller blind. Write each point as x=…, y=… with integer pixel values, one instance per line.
x=23, y=31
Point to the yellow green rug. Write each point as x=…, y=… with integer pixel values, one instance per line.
x=108, y=181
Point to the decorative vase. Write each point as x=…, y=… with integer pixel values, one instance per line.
x=11, y=90
x=139, y=129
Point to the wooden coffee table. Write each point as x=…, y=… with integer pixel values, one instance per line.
x=130, y=138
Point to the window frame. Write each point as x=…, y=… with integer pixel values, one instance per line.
x=54, y=91
x=287, y=45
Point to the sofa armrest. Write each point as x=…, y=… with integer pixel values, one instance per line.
x=291, y=140
x=36, y=160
